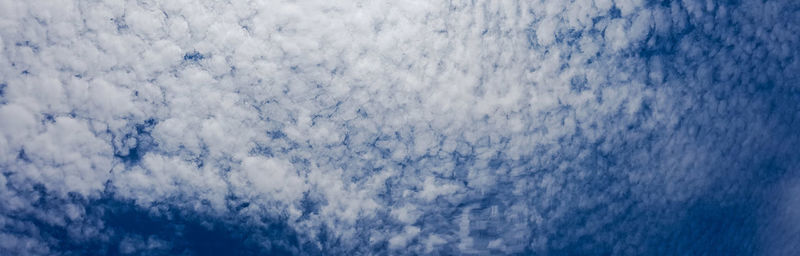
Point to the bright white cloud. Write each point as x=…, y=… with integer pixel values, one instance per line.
x=460, y=126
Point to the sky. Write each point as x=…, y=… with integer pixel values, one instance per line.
x=582, y=127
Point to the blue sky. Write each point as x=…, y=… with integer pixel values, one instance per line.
x=605, y=127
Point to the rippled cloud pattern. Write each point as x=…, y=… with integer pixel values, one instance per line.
x=583, y=127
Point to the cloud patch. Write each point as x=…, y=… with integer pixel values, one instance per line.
x=373, y=127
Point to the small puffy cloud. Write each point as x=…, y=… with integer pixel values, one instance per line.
x=134, y=245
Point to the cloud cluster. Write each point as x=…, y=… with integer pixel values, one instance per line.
x=466, y=127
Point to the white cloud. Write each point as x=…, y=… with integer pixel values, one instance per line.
x=388, y=115
x=140, y=246
x=401, y=240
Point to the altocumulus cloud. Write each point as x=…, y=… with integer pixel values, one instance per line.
x=399, y=127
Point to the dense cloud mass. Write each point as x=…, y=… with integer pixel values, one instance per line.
x=624, y=127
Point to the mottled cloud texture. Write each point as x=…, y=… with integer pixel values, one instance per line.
x=624, y=127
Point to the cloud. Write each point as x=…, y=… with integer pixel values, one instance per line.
x=366, y=127
x=138, y=245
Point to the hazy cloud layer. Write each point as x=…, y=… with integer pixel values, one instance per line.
x=418, y=127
